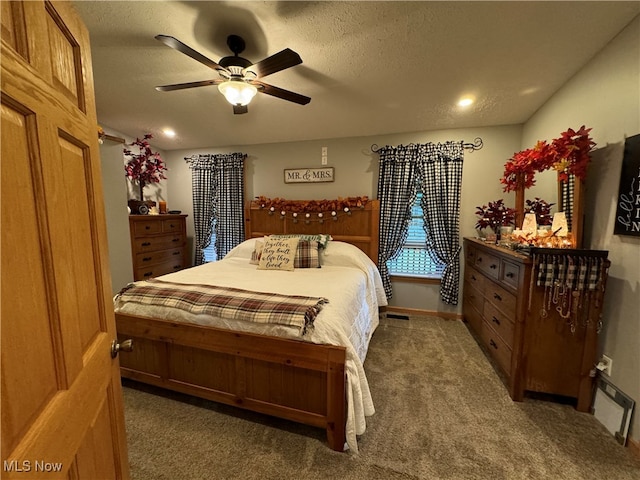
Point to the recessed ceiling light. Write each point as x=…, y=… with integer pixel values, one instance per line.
x=465, y=101
x=169, y=133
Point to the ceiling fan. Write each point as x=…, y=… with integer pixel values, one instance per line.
x=240, y=79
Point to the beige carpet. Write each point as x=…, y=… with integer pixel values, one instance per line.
x=442, y=413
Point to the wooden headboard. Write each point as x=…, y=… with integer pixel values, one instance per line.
x=360, y=227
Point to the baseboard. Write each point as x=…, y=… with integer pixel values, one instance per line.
x=634, y=446
x=418, y=311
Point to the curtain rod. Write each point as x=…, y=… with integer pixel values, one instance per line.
x=476, y=145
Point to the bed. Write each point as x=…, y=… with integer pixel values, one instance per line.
x=316, y=378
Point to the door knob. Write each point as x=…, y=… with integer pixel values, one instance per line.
x=126, y=346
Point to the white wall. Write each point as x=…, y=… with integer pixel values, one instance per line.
x=115, y=205
x=605, y=95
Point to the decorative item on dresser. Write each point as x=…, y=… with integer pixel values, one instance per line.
x=158, y=244
x=538, y=316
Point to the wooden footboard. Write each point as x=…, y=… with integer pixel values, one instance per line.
x=289, y=379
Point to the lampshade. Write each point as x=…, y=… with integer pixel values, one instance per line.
x=237, y=92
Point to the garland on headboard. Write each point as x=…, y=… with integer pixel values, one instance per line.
x=312, y=210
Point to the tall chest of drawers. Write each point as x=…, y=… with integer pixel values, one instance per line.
x=158, y=244
x=535, y=347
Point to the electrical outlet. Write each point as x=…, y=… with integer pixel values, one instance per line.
x=606, y=364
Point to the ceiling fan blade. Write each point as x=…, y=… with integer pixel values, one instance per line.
x=276, y=62
x=282, y=93
x=182, y=86
x=240, y=109
x=187, y=50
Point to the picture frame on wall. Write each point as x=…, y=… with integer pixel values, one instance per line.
x=627, y=219
x=309, y=175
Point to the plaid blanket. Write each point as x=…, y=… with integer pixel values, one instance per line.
x=227, y=303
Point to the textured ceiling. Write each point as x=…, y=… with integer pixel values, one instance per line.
x=369, y=67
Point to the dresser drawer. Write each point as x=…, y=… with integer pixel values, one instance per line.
x=160, y=242
x=474, y=278
x=488, y=264
x=152, y=258
x=172, y=225
x=472, y=316
x=144, y=273
x=470, y=254
x=509, y=274
x=473, y=296
x=500, y=298
x=146, y=227
x=499, y=350
x=502, y=324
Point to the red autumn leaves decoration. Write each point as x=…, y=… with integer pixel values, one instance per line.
x=568, y=155
x=282, y=205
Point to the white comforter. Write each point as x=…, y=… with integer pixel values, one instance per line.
x=348, y=278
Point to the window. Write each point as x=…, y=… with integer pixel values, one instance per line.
x=413, y=259
x=209, y=253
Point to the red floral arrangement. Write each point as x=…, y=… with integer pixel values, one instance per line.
x=495, y=215
x=146, y=166
x=568, y=154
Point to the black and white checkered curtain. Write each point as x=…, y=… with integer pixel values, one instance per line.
x=566, y=189
x=436, y=170
x=218, y=201
x=397, y=193
x=440, y=172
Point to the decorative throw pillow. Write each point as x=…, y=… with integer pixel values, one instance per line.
x=307, y=255
x=257, y=252
x=278, y=254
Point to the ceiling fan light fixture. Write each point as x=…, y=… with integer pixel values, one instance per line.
x=238, y=92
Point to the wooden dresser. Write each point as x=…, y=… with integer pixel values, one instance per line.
x=158, y=244
x=538, y=347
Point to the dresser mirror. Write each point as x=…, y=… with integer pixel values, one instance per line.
x=569, y=198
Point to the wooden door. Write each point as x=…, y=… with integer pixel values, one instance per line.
x=62, y=411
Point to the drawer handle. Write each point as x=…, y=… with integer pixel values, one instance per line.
x=146, y=259
x=497, y=297
x=495, y=320
x=510, y=275
x=479, y=259
x=148, y=274
x=177, y=267
x=473, y=277
x=493, y=344
x=175, y=240
x=147, y=227
x=493, y=266
x=146, y=244
x=176, y=253
x=171, y=225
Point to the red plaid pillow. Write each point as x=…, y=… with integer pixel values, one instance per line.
x=307, y=255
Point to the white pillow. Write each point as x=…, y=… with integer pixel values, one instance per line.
x=244, y=249
x=342, y=254
x=278, y=253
